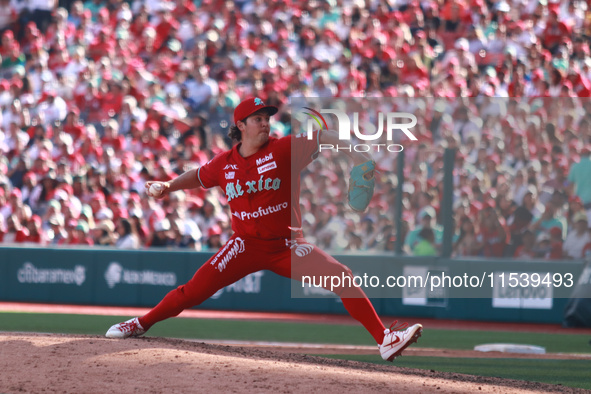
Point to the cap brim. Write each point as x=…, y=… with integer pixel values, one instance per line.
x=271, y=109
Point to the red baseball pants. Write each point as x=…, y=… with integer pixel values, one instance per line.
x=243, y=256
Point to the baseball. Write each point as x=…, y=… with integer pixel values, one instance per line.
x=155, y=189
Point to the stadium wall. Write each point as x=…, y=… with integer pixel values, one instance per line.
x=142, y=278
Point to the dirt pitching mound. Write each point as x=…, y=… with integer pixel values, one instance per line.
x=39, y=363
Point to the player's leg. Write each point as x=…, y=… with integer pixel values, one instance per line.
x=231, y=263
x=205, y=283
x=308, y=260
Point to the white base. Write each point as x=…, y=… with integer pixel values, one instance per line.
x=510, y=348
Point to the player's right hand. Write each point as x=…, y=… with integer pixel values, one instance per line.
x=157, y=189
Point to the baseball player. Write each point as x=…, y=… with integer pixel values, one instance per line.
x=260, y=177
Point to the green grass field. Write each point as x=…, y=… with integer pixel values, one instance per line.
x=573, y=373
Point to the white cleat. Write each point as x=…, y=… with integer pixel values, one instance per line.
x=129, y=328
x=396, y=341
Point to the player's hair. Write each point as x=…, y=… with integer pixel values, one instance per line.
x=235, y=133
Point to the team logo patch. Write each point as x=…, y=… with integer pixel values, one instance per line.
x=267, y=167
x=258, y=101
x=235, y=189
x=232, y=249
x=303, y=250
x=300, y=250
x=230, y=175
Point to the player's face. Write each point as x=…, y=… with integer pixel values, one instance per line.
x=256, y=129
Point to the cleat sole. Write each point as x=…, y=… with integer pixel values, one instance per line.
x=414, y=339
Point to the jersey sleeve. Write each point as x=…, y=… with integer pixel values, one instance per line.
x=208, y=173
x=304, y=149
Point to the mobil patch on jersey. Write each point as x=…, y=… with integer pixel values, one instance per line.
x=267, y=167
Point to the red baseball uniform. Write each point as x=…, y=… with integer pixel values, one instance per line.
x=259, y=188
x=263, y=193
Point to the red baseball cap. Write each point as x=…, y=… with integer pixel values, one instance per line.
x=575, y=199
x=192, y=141
x=250, y=106
x=214, y=230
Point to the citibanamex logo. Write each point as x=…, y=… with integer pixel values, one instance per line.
x=113, y=274
x=28, y=273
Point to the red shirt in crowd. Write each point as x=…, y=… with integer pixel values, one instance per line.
x=19, y=237
x=75, y=130
x=554, y=34
x=494, y=242
x=101, y=47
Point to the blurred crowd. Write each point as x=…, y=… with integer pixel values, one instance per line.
x=98, y=97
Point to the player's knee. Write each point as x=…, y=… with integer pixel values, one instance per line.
x=187, y=297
